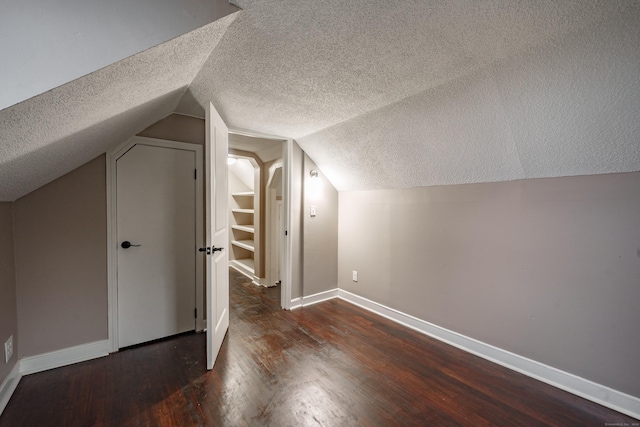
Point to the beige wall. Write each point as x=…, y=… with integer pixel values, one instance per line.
x=61, y=262
x=320, y=240
x=547, y=268
x=8, y=305
x=176, y=127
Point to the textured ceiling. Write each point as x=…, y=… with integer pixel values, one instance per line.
x=380, y=94
x=291, y=67
x=45, y=44
x=571, y=107
x=393, y=94
x=53, y=133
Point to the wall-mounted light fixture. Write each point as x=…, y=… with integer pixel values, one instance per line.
x=314, y=186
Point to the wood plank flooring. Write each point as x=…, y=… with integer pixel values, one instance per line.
x=331, y=364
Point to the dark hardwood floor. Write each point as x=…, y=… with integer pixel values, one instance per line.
x=331, y=364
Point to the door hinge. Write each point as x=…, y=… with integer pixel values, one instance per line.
x=195, y=174
x=195, y=312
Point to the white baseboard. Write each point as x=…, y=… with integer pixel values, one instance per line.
x=314, y=299
x=587, y=389
x=64, y=357
x=244, y=272
x=605, y=396
x=9, y=385
x=319, y=297
x=295, y=303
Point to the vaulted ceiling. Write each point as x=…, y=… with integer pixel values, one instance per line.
x=381, y=94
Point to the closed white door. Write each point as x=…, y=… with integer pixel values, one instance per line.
x=156, y=225
x=217, y=233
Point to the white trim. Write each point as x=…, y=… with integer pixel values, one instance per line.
x=112, y=232
x=255, y=134
x=201, y=322
x=9, y=385
x=286, y=273
x=315, y=298
x=258, y=281
x=182, y=114
x=273, y=227
x=295, y=304
x=64, y=357
x=587, y=389
x=112, y=259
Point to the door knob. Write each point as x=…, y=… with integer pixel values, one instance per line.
x=209, y=250
x=127, y=244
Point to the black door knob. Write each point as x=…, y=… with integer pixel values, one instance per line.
x=127, y=244
x=210, y=250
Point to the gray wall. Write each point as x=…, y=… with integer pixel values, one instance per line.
x=546, y=268
x=320, y=237
x=61, y=262
x=8, y=305
x=177, y=127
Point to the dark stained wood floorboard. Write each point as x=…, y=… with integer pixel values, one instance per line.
x=331, y=364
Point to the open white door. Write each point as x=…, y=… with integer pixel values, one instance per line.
x=217, y=233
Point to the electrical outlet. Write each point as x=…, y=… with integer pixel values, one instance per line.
x=8, y=349
x=355, y=276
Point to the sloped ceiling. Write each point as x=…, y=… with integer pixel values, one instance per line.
x=45, y=44
x=393, y=94
x=381, y=94
x=53, y=133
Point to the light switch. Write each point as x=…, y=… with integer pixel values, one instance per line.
x=313, y=210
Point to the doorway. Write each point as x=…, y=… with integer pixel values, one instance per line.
x=283, y=148
x=255, y=181
x=275, y=225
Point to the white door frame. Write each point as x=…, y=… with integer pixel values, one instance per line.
x=270, y=232
x=112, y=237
x=287, y=256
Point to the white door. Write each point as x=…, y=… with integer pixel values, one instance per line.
x=217, y=233
x=156, y=223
